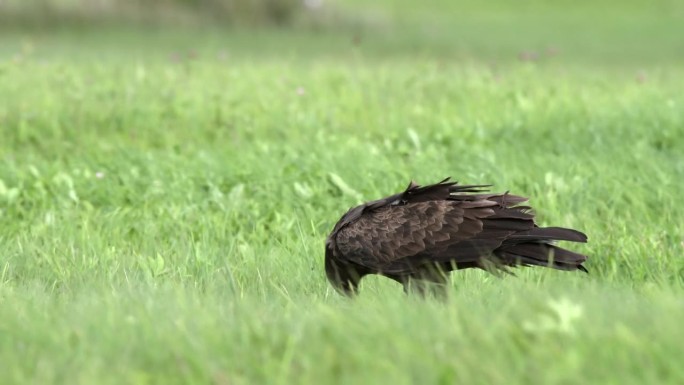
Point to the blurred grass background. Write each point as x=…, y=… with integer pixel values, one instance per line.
x=82, y=12
x=170, y=169
x=629, y=33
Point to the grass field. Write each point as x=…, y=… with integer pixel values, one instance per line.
x=165, y=195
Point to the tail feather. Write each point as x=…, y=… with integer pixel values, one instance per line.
x=545, y=234
x=541, y=254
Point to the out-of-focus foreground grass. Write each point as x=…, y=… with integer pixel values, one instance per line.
x=166, y=183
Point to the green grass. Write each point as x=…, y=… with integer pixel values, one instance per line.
x=164, y=201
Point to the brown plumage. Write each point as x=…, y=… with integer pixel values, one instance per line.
x=419, y=235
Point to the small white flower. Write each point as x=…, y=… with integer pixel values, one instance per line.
x=565, y=313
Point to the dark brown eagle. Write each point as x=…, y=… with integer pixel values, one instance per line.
x=417, y=236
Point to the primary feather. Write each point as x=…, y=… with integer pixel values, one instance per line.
x=422, y=233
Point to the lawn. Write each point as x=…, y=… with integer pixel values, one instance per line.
x=165, y=194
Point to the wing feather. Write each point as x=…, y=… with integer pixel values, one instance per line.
x=396, y=238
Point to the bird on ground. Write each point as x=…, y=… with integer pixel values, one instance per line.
x=418, y=236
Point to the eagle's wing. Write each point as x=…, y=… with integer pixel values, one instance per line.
x=396, y=239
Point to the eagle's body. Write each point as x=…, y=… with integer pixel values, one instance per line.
x=421, y=234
